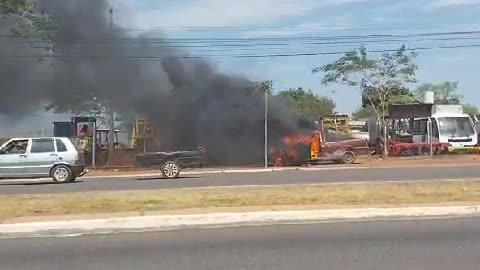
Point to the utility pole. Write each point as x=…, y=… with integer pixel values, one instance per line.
x=94, y=145
x=110, y=113
x=266, y=129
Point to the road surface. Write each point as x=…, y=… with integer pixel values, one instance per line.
x=232, y=179
x=396, y=245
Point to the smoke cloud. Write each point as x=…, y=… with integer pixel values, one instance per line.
x=190, y=103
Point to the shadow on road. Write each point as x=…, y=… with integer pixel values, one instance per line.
x=156, y=178
x=46, y=183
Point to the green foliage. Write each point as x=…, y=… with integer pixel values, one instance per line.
x=8, y=7
x=81, y=103
x=29, y=21
x=396, y=96
x=445, y=92
x=364, y=113
x=470, y=109
x=378, y=79
x=307, y=104
x=265, y=86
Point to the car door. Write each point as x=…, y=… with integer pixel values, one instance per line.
x=13, y=159
x=41, y=157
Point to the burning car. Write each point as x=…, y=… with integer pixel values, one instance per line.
x=300, y=150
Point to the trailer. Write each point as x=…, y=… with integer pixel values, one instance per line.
x=172, y=163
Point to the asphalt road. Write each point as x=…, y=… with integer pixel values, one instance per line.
x=402, y=245
x=330, y=175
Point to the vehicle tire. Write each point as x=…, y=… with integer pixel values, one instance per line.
x=171, y=170
x=62, y=174
x=348, y=157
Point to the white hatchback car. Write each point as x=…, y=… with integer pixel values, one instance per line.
x=57, y=158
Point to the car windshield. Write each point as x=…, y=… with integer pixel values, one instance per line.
x=455, y=127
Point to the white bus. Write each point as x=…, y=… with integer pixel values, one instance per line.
x=450, y=125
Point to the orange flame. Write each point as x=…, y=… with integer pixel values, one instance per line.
x=290, y=152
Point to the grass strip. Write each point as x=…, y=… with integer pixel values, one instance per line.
x=388, y=194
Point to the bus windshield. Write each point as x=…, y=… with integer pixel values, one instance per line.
x=455, y=127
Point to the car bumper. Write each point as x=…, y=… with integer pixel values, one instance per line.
x=79, y=170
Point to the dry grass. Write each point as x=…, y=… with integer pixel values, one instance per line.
x=320, y=196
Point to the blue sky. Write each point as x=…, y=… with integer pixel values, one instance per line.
x=207, y=19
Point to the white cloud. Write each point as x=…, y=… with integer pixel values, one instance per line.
x=454, y=3
x=226, y=13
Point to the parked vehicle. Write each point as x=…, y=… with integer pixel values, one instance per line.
x=450, y=125
x=58, y=158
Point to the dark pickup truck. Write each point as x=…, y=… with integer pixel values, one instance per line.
x=172, y=163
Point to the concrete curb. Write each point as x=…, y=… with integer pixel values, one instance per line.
x=171, y=222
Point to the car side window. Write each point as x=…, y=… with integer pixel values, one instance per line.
x=61, y=146
x=42, y=146
x=18, y=147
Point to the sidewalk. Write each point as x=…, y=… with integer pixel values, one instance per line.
x=175, y=222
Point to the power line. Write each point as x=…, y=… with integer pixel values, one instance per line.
x=261, y=47
x=252, y=46
x=295, y=38
x=100, y=57
x=283, y=29
x=255, y=46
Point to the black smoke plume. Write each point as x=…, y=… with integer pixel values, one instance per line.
x=190, y=103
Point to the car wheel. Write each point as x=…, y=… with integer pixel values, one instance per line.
x=62, y=174
x=171, y=170
x=348, y=157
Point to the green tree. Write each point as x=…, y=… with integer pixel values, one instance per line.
x=29, y=21
x=82, y=103
x=307, y=104
x=470, y=109
x=364, y=112
x=445, y=92
x=378, y=79
x=8, y=7
x=264, y=86
x=397, y=96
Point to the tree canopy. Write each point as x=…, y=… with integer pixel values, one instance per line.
x=470, y=109
x=307, y=104
x=8, y=7
x=364, y=113
x=379, y=79
x=29, y=21
x=445, y=92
